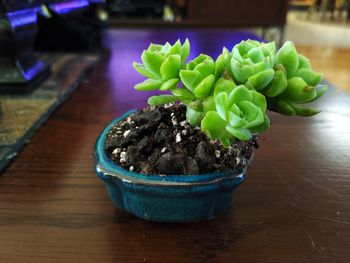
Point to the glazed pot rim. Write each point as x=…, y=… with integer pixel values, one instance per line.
x=106, y=168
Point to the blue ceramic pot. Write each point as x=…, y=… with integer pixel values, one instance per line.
x=171, y=198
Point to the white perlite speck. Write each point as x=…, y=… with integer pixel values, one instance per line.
x=174, y=120
x=123, y=157
x=128, y=119
x=116, y=151
x=172, y=114
x=184, y=132
x=178, y=138
x=126, y=133
x=131, y=168
x=183, y=123
x=238, y=161
x=168, y=105
x=217, y=153
x=163, y=150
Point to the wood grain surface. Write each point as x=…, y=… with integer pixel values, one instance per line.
x=294, y=206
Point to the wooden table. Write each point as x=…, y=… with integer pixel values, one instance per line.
x=294, y=206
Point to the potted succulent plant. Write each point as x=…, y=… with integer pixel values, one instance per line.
x=181, y=158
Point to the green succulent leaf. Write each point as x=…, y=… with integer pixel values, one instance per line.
x=311, y=77
x=269, y=48
x=259, y=100
x=306, y=112
x=256, y=54
x=183, y=94
x=213, y=125
x=203, y=89
x=144, y=71
x=252, y=114
x=185, y=50
x=221, y=102
x=169, y=84
x=196, y=105
x=165, y=48
x=240, y=93
x=288, y=57
x=320, y=90
x=175, y=49
x=152, y=61
x=154, y=47
x=278, y=84
x=262, y=79
x=262, y=127
x=299, y=91
x=161, y=99
x=241, y=72
x=209, y=104
x=190, y=78
x=171, y=67
x=223, y=85
x=284, y=107
x=149, y=84
x=264, y=64
x=226, y=140
x=194, y=117
x=206, y=67
x=304, y=62
x=219, y=66
x=241, y=133
x=236, y=121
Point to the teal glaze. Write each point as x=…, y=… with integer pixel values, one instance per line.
x=171, y=198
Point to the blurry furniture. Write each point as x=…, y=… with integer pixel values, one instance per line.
x=219, y=13
x=136, y=8
x=302, y=3
x=18, y=28
x=21, y=29
x=239, y=13
x=324, y=7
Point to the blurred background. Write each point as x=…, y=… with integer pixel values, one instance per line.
x=28, y=26
x=49, y=47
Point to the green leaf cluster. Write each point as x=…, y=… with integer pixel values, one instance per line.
x=286, y=78
x=228, y=97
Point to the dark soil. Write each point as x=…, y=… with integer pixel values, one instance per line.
x=160, y=141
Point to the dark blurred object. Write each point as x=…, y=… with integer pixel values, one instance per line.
x=136, y=8
x=18, y=29
x=13, y=5
x=69, y=25
x=238, y=12
x=71, y=29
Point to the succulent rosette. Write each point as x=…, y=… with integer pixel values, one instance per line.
x=237, y=112
x=198, y=80
x=286, y=78
x=251, y=63
x=295, y=83
x=161, y=65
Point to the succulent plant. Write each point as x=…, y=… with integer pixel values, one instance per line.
x=285, y=78
x=295, y=82
x=161, y=65
x=228, y=98
x=238, y=113
x=252, y=63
